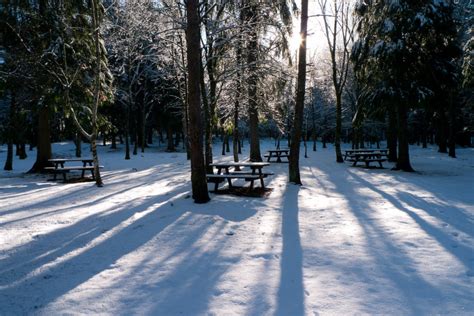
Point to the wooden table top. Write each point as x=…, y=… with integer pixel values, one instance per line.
x=240, y=164
x=364, y=150
x=70, y=159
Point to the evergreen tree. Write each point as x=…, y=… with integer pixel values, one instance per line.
x=404, y=49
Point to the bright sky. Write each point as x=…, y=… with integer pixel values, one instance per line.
x=316, y=39
x=316, y=42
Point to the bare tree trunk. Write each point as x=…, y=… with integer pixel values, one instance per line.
x=313, y=125
x=294, y=168
x=10, y=133
x=78, y=143
x=452, y=128
x=403, y=162
x=97, y=74
x=441, y=133
x=198, y=169
x=9, y=160
x=252, y=81
x=392, y=135
x=43, y=150
x=22, y=154
x=337, y=140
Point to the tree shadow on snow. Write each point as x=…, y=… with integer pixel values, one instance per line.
x=290, y=298
x=391, y=260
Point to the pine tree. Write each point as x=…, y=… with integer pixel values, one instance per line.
x=403, y=51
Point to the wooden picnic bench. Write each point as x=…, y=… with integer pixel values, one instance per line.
x=224, y=173
x=277, y=154
x=349, y=153
x=59, y=168
x=367, y=158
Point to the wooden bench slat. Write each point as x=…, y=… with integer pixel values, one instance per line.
x=69, y=168
x=265, y=174
x=233, y=176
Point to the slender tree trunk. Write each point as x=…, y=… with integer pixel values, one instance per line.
x=452, y=127
x=313, y=126
x=208, y=117
x=403, y=162
x=114, y=141
x=127, y=145
x=9, y=161
x=294, y=168
x=135, y=143
x=43, y=151
x=337, y=140
x=235, y=139
x=392, y=135
x=22, y=154
x=78, y=143
x=424, y=131
x=198, y=169
x=441, y=133
x=169, y=137
x=252, y=82
x=97, y=88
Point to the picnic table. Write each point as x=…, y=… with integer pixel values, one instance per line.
x=278, y=154
x=367, y=158
x=224, y=173
x=60, y=168
x=351, y=152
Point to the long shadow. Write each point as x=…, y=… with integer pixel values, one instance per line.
x=90, y=194
x=290, y=296
x=451, y=215
x=448, y=241
x=195, y=278
x=67, y=243
x=396, y=266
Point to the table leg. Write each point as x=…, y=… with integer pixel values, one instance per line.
x=262, y=184
x=56, y=165
x=83, y=170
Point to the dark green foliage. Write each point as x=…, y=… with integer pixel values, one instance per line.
x=405, y=56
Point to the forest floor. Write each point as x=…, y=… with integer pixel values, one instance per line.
x=349, y=241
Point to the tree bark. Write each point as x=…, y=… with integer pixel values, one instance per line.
x=452, y=128
x=403, y=162
x=252, y=81
x=294, y=168
x=43, y=150
x=78, y=143
x=337, y=138
x=208, y=117
x=392, y=135
x=441, y=133
x=9, y=160
x=198, y=170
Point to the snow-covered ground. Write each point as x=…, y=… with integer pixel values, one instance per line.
x=349, y=241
